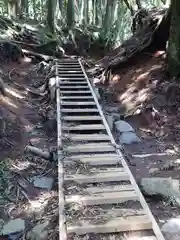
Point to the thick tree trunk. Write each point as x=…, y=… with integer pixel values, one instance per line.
x=51, y=4
x=13, y=8
x=24, y=9
x=70, y=13
x=174, y=40
x=86, y=12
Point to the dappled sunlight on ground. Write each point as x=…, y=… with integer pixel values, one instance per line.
x=151, y=105
x=134, y=86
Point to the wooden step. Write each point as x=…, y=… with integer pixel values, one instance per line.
x=95, y=159
x=71, y=76
x=68, y=103
x=84, y=127
x=72, y=82
x=73, y=67
x=109, y=189
x=103, y=198
x=60, y=71
x=90, y=147
x=113, y=225
x=76, y=97
x=73, y=87
x=70, y=110
x=86, y=137
x=81, y=79
x=98, y=177
x=71, y=92
x=81, y=118
x=68, y=63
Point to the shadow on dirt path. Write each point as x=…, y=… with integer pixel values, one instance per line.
x=28, y=193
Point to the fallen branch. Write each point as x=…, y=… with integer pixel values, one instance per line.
x=39, y=152
x=37, y=55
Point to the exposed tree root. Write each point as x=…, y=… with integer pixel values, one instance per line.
x=142, y=41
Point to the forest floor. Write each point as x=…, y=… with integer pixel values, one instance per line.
x=144, y=82
x=28, y=187
x=27, y=183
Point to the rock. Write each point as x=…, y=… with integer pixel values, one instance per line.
x=129, y=138
x=39, y=232
x=112, y=109
x=116, y=116
x=52, y=87
x=110, y=120
x=153, y=170
x=172, y=226
x=166, y=187
x=123, y=126
x=96, y=81
x=43, y=182
x=15, y=225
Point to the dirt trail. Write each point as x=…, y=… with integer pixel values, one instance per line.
x=29, y=191
x=131, y=90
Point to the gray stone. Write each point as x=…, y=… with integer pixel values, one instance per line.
x=153, y=170
x=15, y=225
x=116, y=116
x=52, y=87
x=165, y=187
x=96, y=81
x=39, y=232
x=43, y=182
x=123, y=126
x=172, y=226
x=112, y=109
x=129, y=138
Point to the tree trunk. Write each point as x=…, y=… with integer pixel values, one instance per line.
x=12, y=8
x=70, y=13
x=51, y=4
x=86, y=12
x=174, y=40
x=24, y=9
x=109, y=16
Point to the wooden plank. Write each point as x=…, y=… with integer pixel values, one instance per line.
x=97, y=178
x=81, y=118
x=71, y=92
x=74, y=67
x=71, y=76
x=69, y=71
x=95, y=159
x=80, y=110
x=89, y=147
x=73, y=87
x=73, y=82
x=113, y=225
x=109, y=189
x=76, y=97
x=71, y=79
x=68, y=63
x=84, y=127
x=76, y=103
x=103, y=198
x=87, y=137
